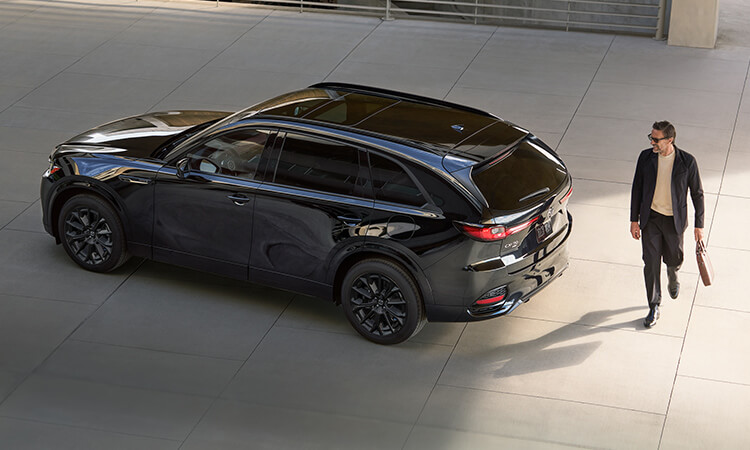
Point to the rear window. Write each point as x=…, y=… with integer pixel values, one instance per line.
x=520, y=178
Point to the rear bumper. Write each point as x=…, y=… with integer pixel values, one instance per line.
x=521, y=286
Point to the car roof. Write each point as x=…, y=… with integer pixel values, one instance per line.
x=435, y=125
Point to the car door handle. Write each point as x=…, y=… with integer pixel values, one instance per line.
x=134, y=179
x=350, y=221
x=238, y=199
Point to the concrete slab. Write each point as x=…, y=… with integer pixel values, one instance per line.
x=31, y=69
x=706, y=412
x=616, y=100
x=29, y=220
x=49, y=322
x=414, y=44
x=509, y=420
x=234, y=426
x=32, y=435
x=368, y=380
x=728, y=231
x=564, y=361
x=150, y=62
x=188, y=315
x=97, y=406
x=674, y=71
x=204, y=29
x=31, y=265
x=110, y=96
x=140, y=368
x=736, y=175
x=9, y=210
x=717, y=346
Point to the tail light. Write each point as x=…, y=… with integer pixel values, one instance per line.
x=494, y=232
x=567, y=196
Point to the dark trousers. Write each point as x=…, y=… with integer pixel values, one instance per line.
x=660, y=241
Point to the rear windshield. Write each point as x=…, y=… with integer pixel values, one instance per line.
x=520, y=178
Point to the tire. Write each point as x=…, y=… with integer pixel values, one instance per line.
x=92, y=234
x=382, y=302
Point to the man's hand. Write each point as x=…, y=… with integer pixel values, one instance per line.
x=698, y=234
x=635, y=230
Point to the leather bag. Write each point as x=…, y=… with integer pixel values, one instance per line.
x=704, y=263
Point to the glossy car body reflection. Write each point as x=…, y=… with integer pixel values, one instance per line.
x=399, y=207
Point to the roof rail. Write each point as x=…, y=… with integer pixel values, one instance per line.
x=399, y=95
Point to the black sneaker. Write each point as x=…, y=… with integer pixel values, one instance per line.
x=652, y=317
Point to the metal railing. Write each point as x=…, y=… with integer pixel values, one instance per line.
x=636, y=16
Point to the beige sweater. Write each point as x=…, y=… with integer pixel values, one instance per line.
x=662, y=202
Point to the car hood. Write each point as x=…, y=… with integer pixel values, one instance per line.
x=139, y=136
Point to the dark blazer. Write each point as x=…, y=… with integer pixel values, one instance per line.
x=684, y=175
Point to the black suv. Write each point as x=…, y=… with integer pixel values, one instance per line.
x=400, y=208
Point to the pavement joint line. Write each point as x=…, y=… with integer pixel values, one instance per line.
x=170, y=352
x=722, y=308
x=229, y=382
x=556, y=399
x=714, y=380
x=353, y=50
x=78, y=427
x=489, y=38
x=583, y=97
x=708, y=237
x=437, y=382
x=182, y=83
x=96, y=308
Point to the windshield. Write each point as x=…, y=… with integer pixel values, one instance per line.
x=520, y=178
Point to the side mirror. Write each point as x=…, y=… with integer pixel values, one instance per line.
x=182, y=168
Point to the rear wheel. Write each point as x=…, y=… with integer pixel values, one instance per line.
x=382, y=302
x=92, y=234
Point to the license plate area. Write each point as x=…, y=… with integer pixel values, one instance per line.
x=543, y=230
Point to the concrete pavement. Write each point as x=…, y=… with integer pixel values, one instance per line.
x=158, y=357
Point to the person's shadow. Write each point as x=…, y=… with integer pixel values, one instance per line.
x=548, y=352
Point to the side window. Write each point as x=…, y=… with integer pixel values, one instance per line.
x=391, y=183
x=318, y=164
x=236, y=153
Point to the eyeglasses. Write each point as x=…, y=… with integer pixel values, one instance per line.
x=651, y=138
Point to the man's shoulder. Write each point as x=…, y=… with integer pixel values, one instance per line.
x=645, y=154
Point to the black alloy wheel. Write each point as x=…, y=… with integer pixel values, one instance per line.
x=382, y=302
x=92, y=234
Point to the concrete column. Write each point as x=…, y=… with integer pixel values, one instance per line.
x=694, y=23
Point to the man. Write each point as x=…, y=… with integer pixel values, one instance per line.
x=658, y=201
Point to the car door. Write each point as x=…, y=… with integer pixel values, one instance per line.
x=311, y=205
x=204, y=201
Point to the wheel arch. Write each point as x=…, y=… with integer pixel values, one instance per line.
x=387, y=253
x=65, y=193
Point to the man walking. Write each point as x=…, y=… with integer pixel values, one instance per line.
x=658, y=202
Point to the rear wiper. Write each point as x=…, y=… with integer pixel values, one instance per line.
x=534, y=194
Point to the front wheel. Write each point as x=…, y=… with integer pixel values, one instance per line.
x=92, y=234
x=382, y=302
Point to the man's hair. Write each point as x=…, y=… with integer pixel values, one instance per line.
x=667, y=128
